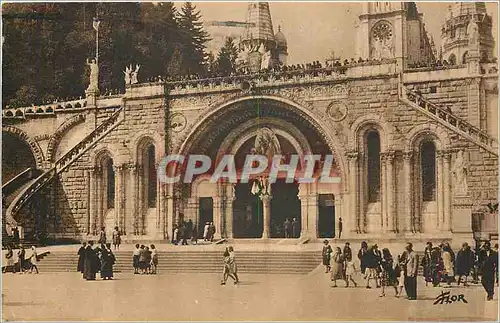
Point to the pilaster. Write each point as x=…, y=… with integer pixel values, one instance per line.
x=408, y=192
x=390, y=191
x=447, y=191
x=355, y=221
x=266, y=215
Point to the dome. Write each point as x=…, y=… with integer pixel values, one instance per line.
x=280, y=39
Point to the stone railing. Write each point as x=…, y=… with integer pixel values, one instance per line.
x=46, y=109
x=19, y=180
x=279, y=78
x=451, y=121
x=61, y=164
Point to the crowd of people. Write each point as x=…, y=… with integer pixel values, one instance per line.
x=439, y=265
x=145, y=260
x=92, y=260
x=21, y=261
x=188, y=231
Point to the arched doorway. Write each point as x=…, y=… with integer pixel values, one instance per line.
x=232, y=130
x=105, y=183
x=144, y=222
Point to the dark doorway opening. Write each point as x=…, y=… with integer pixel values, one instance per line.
x=247, y=213
x=285, y=207
x=206, y=207
x=326, y=216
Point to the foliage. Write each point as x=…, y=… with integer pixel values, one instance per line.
x=46, y=46
x=226, y=58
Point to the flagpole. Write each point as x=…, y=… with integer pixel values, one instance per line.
x=97, y=45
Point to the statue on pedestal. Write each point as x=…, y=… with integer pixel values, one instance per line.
x=94, y=75
x=459, y=171
x=131, y=75
x=473, y=31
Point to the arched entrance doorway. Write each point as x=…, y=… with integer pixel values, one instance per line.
x=234, y=130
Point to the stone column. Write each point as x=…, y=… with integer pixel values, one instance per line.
x=385, y=191
x=230, y=197
x=88, y=199
x=169, y=213
x=131, y=226
x=439, y=190
x=408, y=191
x=391, y=192
x=217, y=201
x=339, y=214
x=354, y=216
x=99, y=199
x=266, y=215
x=118, y=196
x=312, y=214
x=161, y=232
x=447, y=191
x=140, y=200
x=93, y=202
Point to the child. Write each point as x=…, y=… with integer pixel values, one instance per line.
x=154, y=259
x=136, y=254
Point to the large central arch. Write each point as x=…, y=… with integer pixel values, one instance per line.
x=229, y=128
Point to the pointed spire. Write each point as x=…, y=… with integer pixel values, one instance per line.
x=259, y=22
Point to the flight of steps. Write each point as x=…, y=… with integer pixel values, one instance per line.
x=255, y=262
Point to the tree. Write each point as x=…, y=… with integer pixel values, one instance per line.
x=193, y=40
x=226, y=58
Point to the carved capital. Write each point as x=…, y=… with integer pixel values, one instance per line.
x=388, y=156
x=352, y=155
x=408, y=155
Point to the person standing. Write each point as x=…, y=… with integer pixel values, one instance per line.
x=400, y=272
x=175, y=236
x=81, y=257
x=388, y=275
x=325, y=254
x=436, y=266
x=33, y=260
x=9, y=256
x=287, y=226
x=205, y=231
x=142, y=259
x=464, y=263
x=117, y=240
x=361, y=256
x=372, y=263
x=340, y=227
x=189, y=227
x=135, y=258
x=183, y=234
x=107, y=261
x=90, y=259
x=21, y=254
x=295, y=228
x=194, y=236
x=102, y=236
x=448, y=265
x=226, y=270
x=233, y=268
x=426, y=263
x=488, y=262
x=212, y=231
x=337, y=265
x=411, y=262
x=154, y=259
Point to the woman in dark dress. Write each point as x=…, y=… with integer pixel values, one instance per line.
x=326, y=252
x=361, y=256
x=107, y=262
x=388, y=274
x=81, y=258
x=89, y=262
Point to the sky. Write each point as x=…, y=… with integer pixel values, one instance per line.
x=314, y=30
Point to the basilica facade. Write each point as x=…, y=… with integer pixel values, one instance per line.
x=416, y=148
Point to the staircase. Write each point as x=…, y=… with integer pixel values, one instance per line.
x=449, y=120
x=255, y=262
x=60, y=165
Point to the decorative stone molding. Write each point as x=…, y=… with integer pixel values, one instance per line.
x=408, y=155
x=337, y=111
x=35, y=148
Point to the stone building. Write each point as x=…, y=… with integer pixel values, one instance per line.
x=416, y=149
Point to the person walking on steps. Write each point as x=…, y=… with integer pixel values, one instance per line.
x=325, y=254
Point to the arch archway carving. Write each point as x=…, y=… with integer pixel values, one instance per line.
x=35, y=147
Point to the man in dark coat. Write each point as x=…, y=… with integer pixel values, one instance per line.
x=90, y=262
x=22, y=262
x=81, y=258
x=464, y=262
x=340, y=227
x=488, y=262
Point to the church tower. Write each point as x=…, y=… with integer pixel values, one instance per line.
x=455, y=38
x=393, y=30
x=259, y=38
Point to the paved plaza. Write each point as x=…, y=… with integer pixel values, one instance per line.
x=50, y=296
